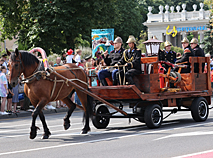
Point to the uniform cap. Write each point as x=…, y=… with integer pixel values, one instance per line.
x=131, y=39
x=194, y=40
x=185, y=40
x=167, y=43
x=118, y=40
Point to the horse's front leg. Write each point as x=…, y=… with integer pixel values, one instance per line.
x=46, y=130
x=34, y=128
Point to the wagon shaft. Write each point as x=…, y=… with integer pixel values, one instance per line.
x=87, y=92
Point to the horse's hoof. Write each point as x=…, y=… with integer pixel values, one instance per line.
x=66, y=124
x=85, y=131
x=46, y=135
x=33, y=132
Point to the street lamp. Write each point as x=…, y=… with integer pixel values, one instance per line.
x=152, y=46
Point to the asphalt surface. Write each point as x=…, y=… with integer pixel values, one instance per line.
x=179, y=135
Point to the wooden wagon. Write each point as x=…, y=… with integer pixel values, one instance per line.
x=148, y=98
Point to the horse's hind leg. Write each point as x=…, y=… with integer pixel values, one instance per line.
x=72, y=107
x=84, y=101
x=46, y=130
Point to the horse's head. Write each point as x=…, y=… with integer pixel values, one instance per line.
x=15, y=67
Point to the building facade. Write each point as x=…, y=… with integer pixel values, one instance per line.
x=174, y=26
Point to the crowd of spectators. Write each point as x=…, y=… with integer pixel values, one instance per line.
x=8, y=94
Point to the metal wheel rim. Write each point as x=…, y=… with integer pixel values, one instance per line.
x=202, y=109
x=156, y=116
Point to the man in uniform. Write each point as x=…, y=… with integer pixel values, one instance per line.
x=110, y=60
x=186, y=54
x=167, y=55
x=131, y=60
x=198, y=52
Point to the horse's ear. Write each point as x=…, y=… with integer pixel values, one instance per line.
x=8, y=52
x=16, y=52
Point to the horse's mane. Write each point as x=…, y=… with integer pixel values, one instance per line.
x=27, y=58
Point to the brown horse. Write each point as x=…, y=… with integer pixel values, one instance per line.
x=42, y=90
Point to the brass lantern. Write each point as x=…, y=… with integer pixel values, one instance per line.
x=152, y=47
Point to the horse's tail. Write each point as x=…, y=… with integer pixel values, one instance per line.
x=90, y=106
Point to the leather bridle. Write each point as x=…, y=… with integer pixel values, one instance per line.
x=20, y=67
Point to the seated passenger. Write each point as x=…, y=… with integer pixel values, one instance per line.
x=186, y=54
x=167, y=55
x=131, y=60
x=198, y=52
x=110, y=60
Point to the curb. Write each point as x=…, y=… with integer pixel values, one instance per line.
x=29, y=113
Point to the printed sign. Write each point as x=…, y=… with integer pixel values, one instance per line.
x=102, y=40
x=175, y=30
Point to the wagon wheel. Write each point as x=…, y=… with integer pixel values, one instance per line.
x=101, y=122
x=141, y=113
x=153, y=116
x=199, y=109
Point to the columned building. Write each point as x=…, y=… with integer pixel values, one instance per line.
x=173, y=25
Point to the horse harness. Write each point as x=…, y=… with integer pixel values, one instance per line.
x=40, y=73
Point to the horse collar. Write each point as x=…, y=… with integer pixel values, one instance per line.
x=37, y=74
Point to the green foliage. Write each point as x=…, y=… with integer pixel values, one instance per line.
x=142, y=38
x=81, y=42
x=52, y=57
x=177, y=49
x=208, y=37
x=60, y=25
x=190, y=36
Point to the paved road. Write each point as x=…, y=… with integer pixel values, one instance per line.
x=179, y=135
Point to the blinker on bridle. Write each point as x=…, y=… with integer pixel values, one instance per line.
x=20, y=67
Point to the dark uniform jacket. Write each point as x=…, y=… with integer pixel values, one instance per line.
x=133, y=58
x=167, y=56
x=198, y=52
x=185, y=57
x=114, y=56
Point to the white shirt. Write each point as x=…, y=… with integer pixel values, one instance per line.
x=78, y=59
x=69, y=58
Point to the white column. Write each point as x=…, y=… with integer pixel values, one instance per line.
x=183, y=13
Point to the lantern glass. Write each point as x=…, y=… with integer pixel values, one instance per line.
x=148, y=50
x=155, y=49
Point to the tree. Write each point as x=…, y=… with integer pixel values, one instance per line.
x=56, y=25
x=208, y=39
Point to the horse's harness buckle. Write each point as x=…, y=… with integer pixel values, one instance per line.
x=44, y=74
